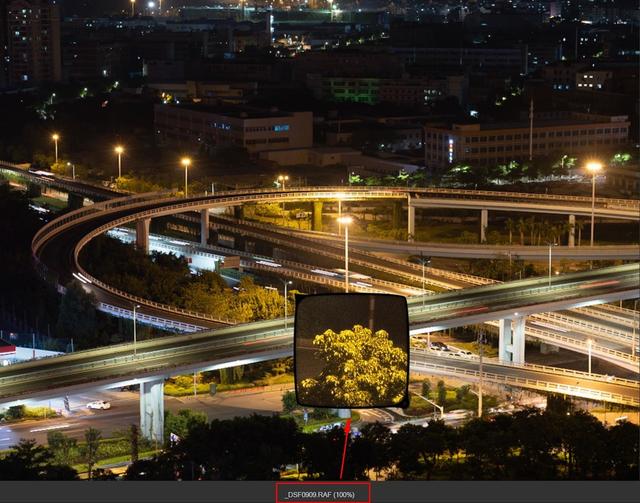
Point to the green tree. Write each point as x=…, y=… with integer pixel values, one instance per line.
x=61, y=446
x=182, y=423
x=28, y=461
x=90, y=449
x=289, y=401
x=361, y=367
x=134, y=438
x=426, y=388
x=77, y=318
x=463, y=392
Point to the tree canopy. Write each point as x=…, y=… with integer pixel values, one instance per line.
x=361, y=368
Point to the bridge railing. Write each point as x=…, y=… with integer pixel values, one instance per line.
x=526, y=383
x=538, y=368
x=572, y=321
x=573, y=343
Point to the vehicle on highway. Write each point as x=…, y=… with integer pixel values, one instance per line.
x=99, y=405
x=465, y=354
x=439, y=346
x=458, y=414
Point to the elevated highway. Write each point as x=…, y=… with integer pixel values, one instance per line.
x=115, y=365
x=65, y=237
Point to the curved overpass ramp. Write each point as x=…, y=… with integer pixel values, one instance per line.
x=117, y=366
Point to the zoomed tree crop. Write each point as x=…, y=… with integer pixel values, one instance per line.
x=362, y=368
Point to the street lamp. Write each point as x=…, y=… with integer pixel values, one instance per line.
x=594, y=167
x=424, y=261
x=589, y=344
x=480, y=372
x=133, y=8
x=635, y=347
x=186, y=162
x=55, y=137
x=119, y=150
x=432, y=403
x=282, y=179
x=346, y=221
x=286, y=284
x=135, y=330
x=551, y=245
x=73, y=169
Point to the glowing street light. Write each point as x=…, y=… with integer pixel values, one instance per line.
x=346, y=221
x=55, y=137
x=594, y=167
x=119, y=150
x=133, y=8
x=589, y=344
x=282, y=179
x=186, y=162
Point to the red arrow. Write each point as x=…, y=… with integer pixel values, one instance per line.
x=347, y=428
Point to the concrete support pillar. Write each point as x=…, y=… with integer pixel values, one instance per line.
x=317, y=216
x=152, y=410
x=411, y=221
x=75, y=201
x=238, y=212
x=34, y=190
x=204, y=227
x=142, y=234
x=511, y=339
x=484, y=223
x=572, y=230
x=518, y=339
x=396, y=220
x=505, y=341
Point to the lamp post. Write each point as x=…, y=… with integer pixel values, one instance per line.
x=480, y=371
x=55, y=137
x=286, y=284
x=119, y=150
x=635, y=346
x=282, y=179
x=73, y=169
x=135, y=330
x=423, y=261
x=346, y=221
x=589, y=344
x=551, y=245
x=186, y=162
x=133, y=8
x=594, y=167
x=432, y=403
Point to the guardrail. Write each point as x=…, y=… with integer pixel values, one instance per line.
x=604, y=313
x=149, y=319
x=572, y=322
x=582, y=346
x=539, y=368
x=526, y=383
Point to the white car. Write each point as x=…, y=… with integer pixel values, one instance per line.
x=99, y=404
x=465, y=354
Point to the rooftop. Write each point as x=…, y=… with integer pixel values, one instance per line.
x=240, y=112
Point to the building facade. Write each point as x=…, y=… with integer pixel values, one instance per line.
x=253, y=129
x=32, y=42
x=502, y=142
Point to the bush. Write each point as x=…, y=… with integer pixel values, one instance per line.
x=16, y=412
